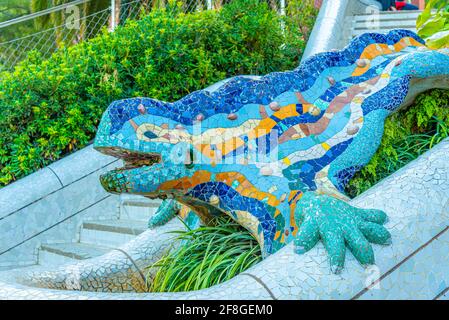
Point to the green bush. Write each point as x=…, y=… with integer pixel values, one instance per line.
x=49, y=108
x=434, y=26
x=207, y=256
x=408, y=134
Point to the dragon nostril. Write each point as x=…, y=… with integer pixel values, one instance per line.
x=150, y=134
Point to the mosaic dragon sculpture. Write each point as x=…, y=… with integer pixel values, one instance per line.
x=275, y=152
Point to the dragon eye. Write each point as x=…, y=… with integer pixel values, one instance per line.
x=150, y=134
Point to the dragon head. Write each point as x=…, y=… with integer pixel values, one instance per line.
x=155, y=149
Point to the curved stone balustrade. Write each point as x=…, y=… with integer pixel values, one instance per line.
x=330, y=26
x=49, y=205
x=120, y=270
x=414, y=266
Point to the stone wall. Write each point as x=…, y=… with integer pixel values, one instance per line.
x=49, y=205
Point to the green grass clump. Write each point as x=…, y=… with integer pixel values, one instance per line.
x=207, y=256
x=408, y=134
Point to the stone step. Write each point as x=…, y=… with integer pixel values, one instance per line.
x=137, y=213
x=111, y=233
x=60, y=253
x=390, y=16
x=135, y=200
x=356, y=33
x=394, y=24
x=384, y=22
x=137, y=207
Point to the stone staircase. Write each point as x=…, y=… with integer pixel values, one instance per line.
x=97, y=237
x=384, y=22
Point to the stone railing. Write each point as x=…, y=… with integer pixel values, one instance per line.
x=330, y=29
x=50, y=204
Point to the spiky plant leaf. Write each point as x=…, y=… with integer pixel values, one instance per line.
x=206, y=256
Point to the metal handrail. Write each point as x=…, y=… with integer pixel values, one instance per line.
x=41, y=13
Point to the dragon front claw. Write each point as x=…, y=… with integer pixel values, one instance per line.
x=339, y=225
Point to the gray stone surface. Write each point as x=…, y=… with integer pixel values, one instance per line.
x=51, y=217
x=50, y=204
x=75, y=250
x=247, y=287
x=120, y=270
x=132, y=227
x=22, y=253
x=81, y=163
x=26, y=191
x=329, y=25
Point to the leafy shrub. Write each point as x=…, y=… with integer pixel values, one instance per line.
x=408, y=134
x=434, y=26
x=49, y=108
x=302, y=15
x=206, y=257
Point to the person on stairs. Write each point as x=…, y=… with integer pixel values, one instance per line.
x=403, y=5
x=392, y=5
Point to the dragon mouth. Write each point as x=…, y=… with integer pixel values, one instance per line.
x=132, y=159
x=142, y=173
x=117, y=181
